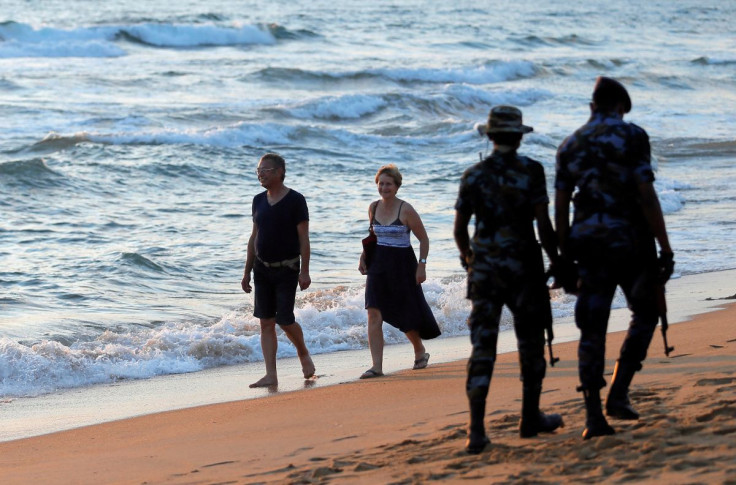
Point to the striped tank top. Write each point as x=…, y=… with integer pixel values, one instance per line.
x=395, y=235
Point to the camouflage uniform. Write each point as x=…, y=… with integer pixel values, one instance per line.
x=506, y=265
x=607, y=159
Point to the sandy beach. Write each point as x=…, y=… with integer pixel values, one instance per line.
x=409, y=427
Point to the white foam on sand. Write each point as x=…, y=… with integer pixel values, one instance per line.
x=25, y=417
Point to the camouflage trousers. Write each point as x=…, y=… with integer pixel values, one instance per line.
x=530, y=318
x=599, y=278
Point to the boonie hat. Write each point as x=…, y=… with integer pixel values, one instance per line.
x=608, y=91
x=504, y=119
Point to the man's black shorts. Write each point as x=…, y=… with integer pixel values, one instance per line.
x=275, y=292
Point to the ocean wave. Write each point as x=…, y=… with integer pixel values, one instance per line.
x=7, y=85
x=333, y=320
x=565, y=40
x=54, y=142
x=713, y=61
x=698, y=148
x=23, y=40
x=350, y=106
x=29, y=173
x=669, y=194
x=139, y=261
x=168, y=35
x=281, y=32
x=276, y=134
x=493, y=72
x=603, y=64
x=240, y=134
x=201, y=174
x=471, y=96
x=488, y=73
x=453, y=99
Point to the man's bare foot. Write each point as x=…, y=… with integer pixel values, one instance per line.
x=265, y=381
x=307, y=366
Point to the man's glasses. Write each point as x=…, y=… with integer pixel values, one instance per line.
x=263, y=170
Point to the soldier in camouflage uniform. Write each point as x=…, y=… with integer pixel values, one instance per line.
x=506, y=192
x=616, y=221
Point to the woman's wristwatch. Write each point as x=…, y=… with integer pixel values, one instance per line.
x=423, y=260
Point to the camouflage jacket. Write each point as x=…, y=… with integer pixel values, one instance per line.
x=502, y=192
x=605, y=159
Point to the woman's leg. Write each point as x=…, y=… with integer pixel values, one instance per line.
x=416, y=341
x=375, y=338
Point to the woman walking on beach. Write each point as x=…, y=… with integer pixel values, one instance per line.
x=393, y=291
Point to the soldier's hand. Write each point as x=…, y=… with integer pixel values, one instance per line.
x=565, y=275
x=464, y=258
x=666, y=266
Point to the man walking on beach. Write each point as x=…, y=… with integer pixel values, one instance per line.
x=617, y=218
x=278, y=243
x=506, y=192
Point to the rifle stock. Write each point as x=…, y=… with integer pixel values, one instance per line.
x=662, y=307
x=550, y=336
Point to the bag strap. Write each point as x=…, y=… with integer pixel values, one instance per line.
x=372, y=211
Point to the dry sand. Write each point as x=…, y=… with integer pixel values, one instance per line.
x=409, y=427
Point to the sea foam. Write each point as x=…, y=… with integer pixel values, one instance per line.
x=23, y=40
x=333, y=320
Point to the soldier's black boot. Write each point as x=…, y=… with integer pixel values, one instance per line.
x=533, y=421
x=617, y=403
x=477, y=439
x=595, y=422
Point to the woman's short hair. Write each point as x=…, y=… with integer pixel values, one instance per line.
x=392, y=171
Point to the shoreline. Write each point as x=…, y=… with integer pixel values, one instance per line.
x=410, y=428
x=69, y=409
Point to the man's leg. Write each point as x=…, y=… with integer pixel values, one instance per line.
x=529, y=328
x=269, y=345
x=592, y=310
x=286, y=281
x=296, y=336
x=483, y=321
x=640, y=290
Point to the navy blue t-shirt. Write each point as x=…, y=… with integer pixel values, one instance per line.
x=277, y=238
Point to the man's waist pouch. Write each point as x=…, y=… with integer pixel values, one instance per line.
x=292, y=263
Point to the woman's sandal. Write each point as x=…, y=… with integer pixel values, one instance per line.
x=421, y=363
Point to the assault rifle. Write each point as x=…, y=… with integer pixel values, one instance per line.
x=565, y=275
x=662, y=307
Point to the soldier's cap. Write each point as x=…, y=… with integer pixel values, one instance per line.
x=608, y=92
x=504, y=119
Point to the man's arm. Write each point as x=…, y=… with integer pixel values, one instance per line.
x=546, y=232
x=462, y=238
x=302, y=230
x=653, y=214
x=250, y=257
x=562, y=218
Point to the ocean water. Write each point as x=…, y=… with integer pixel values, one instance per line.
x=131, y=131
